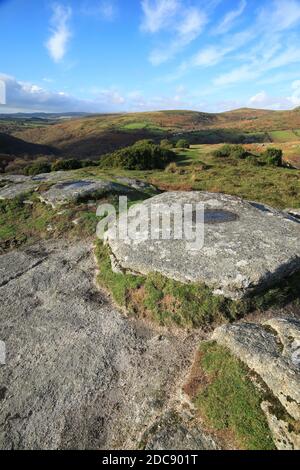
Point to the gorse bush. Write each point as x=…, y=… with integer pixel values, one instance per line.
x=273, y=157
x=167, y=144
x=183, y=144
x=64, y=165
x=37, y=168
x=143, y=155
x=234, y=151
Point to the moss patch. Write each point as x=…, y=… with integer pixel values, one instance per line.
x=229, y=400
x=27, y=220
x=187, y=305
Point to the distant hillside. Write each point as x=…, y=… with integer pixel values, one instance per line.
x=10, y=145
x=93, y=135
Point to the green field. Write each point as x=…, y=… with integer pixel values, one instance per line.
x=285, y=136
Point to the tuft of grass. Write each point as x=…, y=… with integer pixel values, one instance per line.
x=170, y=302
x=230, y=401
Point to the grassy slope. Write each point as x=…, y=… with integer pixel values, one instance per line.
x=199, y=170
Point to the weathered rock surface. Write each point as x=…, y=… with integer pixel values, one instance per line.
x=293, y=212
x=175, y=431
x=74, y=190
x=285, y=438
x=247, y=246
x=78, y=373
x=17, y=185
x=272, y=350
x=10, y=191
x=66, y=187
x=136, y=184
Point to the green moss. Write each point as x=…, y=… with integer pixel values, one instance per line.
x=118, y=284
x=230, y=401
x=186, y=305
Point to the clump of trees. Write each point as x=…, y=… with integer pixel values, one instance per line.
x=234, y=151
x=182, y=144
x=143, y=155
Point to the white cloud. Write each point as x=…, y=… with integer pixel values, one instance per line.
x=264, y=100
x=2, y=92
x=24, y=96
x=259, y=65
x=295, y=97
x=184, y=23
x=208, y=57
x=280, y=15
x=29, y=97
x=259, y=99
x=192, y=24
x=61, y=34
x=229, y=19
x=158, y=14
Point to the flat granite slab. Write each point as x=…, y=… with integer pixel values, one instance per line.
x=248, y=247
x=75, y=190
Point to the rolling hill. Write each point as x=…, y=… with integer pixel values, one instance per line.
x=10, y=145
x=94, y=135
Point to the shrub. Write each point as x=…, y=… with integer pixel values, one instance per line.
x=87, y=163
x=235, y=151
x=37, y=168
x=238, y=152
x=64, y=165
x=166, y=144
x=143, y=155
x=273, y=157
x=182, y=144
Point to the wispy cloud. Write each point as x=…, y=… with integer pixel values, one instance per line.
x=105, y=9
x=60, y=31
x=280, y=15
x=251, y=53
x=230, y=18
x=183, y=23
x=158, y=14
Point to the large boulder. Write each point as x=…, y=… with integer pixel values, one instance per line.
x=10, y=191
x=247, y=246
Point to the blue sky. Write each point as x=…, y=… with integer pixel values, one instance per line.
x=137, y=55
